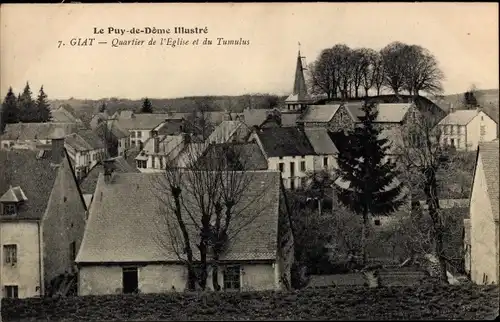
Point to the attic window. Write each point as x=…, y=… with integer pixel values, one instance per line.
x=9, y=209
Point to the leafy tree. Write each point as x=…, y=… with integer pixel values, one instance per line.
x=470, y=98
x=27, y=106
x=10, y=110
x=394, y=65
x=102, y=108
x=147, y=107
x=42, y=107
x=372, y=188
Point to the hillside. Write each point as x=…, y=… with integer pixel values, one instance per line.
x=488, y=99
x=86, y=108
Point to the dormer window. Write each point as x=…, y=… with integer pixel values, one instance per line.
x=11, y=201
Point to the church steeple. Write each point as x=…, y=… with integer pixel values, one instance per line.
x=299, y=85
x=299, y=97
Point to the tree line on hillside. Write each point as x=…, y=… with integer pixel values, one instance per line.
x=343, y=72
x=24, y=108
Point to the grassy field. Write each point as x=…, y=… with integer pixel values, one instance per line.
x=423, y=302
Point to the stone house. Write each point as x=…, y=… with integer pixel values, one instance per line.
x=127, y=246
x=86, y=149
x=42, y=221
x=482, y=227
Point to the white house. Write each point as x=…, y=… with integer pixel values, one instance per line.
x=288, y=150
x=42, y=219
x=161, y=150
x=127, y=247
x=85, y=149
x=482, y=236
x=465, y=129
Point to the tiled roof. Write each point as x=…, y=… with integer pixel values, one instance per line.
x=167, y=143
x=171, y=127
x=78, y=143
x=36, y=131
x=127, y=220
x=21, y=168
x=255, y=117
x=319, y=113
x=460, y=117
x=489, y=152
x=387, y=112
x=285, y=141
x=62, y=115
x=321, y=141
x=249, y=155
x=145, y=121
x=224, y=130
x=118, y=132
x=89, y=182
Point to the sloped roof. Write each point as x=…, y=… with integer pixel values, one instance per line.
x=14, y=194
x=321, y=141
x=255, y=117
x=284, y=141
x=460, y=117
x=299, y=92
x=129, y=227
x=224, y=130
x=89, y=182
x=249, y=155
x=167, y=144
x=145, y=121
x=387, y=112
x=489, y=152
x=36, y=131
x=36, y=177
x=63, y=115
x=319, y=113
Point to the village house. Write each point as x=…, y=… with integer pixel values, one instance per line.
x=117, y=140
x=140, y=125
x=482, y=227
x=465, y=129
x=64, y=114
x=127, y=246
x=243, y=156
x=99, y=118
x=289, y=150
x=86, y=149
x=229, y=131
x=160, y=151
x=42, y=220
x=32, y=136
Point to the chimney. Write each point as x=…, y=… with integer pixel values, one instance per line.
x=108, y=169
x=156, y=141
x=452, y=108
x=57, y=138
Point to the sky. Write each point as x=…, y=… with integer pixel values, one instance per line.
x=463, y=37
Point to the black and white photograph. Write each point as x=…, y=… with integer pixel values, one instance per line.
x=249, y=161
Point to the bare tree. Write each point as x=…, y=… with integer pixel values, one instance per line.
x=341, y=55
x=422, y=72
x=393, y=57
x=378, y=72
x=359, y=63
x=423, y=157
x=322, y=75
x=369, y=70
x=208, y=200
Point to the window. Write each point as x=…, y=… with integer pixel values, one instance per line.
x=482, y=130
x=281, y=166
x=139, y=134
x=94, y=156
x=482, y=118
x=292, y=184
x=9, y=209
x=458, y=143
x=485, y=278
x=292, y=169
x=72, y=251
x=11, y=291
x=462, y=129
x=325, y=162
x=232, y=278
x=302, y=166
x=130, y=280
x=141, y=145
x=132, y=134
x=132, y=143
x=161, y=163
x=10, y=254
x=446, y=129
x=377, y=222
x=153, y=162
x=452, y=142
x=6, y=145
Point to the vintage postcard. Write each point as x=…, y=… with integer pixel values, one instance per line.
x=249, y=161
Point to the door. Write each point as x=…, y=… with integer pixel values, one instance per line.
x=130, y=280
